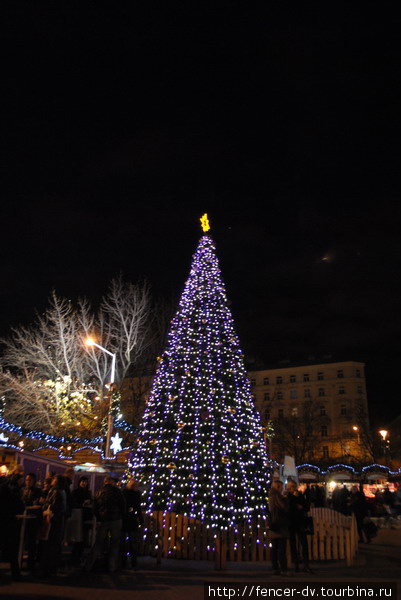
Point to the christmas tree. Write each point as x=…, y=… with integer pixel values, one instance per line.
x=200, y=448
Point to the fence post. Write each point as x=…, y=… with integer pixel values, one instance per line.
x=221, y=551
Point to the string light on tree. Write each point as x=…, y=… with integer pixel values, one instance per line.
x=200, y=448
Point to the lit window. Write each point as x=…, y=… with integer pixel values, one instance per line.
x=306, y=393
x=293, y=394
x=266, y=396
x=343, y=409
x=293, y=378
x=323, y=430
x=265, y=381
x=321, y=392
x=306, y=376
x=320, y=376
x=294, y=411
x=279, y=379
x=322, y=411
x=340, y=374
x=341, y=389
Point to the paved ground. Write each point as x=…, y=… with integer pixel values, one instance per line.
x=183, y=580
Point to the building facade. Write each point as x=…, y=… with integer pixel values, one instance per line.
x=320, y=411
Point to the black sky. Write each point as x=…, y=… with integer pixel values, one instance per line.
x=123, y=123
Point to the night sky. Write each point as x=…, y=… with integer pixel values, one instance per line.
x=122, y=124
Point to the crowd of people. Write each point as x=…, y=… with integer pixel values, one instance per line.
x=289, y=520
x=44, y=512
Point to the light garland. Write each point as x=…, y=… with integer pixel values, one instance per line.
x=200, y=449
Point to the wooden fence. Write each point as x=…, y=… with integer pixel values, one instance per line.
x=171, y=535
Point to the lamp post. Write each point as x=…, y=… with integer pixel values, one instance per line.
x=384, y=433
x=90, y=342
x=356, y=429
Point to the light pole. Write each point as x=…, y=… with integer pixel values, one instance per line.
x=356, y=429
x=90, y=342
x=384, y=433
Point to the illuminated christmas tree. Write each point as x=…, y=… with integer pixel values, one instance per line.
x=200, y=448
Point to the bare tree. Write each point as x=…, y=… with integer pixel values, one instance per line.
x=365, y=438
x=48, y=376
x=296, y=434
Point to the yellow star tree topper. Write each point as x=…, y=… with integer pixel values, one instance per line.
x=205, y=223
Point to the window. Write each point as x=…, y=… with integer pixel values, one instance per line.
x=341, y=389
x=253, y=382
x=323, y=430
x=306, y=393
x=320, y=376
x=265, y=381
x=267, y=415
x=279, y=379
x=306, y=376
x=340, y=374
x=360, y=390
x=322, y=411
x=325, y=451
x=293, y=394
x=320, y=392
x=280, y=413
x=266, y=396
x=358, y=372
x=343, y=409
x=294, y=411
x=293, y=378
x=279, y=395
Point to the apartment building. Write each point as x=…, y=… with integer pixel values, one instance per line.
x=335, y=394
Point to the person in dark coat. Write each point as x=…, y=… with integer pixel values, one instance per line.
x=31, y=495
x=132, y=520
x=359, y=507
x=340, y=500
x=56, y=506
x=109, y=507
x=68, y=480
x=11, y=505
x=81, y=497
x=279, y=527
x=298, y=507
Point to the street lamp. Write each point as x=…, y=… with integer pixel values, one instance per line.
x=384, y=433
x=356, y=429
x=91, y=342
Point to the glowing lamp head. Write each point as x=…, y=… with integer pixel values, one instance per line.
x=383, y=433
x=355, y=428
x=89, y=341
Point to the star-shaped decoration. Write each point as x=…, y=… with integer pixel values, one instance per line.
x=116, y=445
x=205, y=223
